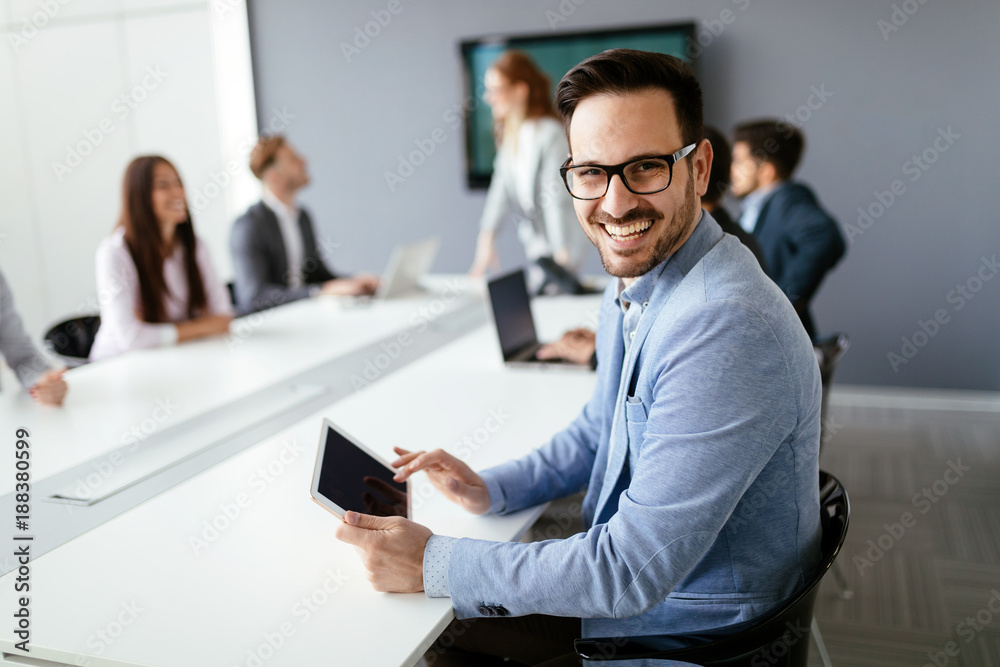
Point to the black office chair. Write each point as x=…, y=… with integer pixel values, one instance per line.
x=559, y=280
x=71, y=340
x=743, y=644
x=829, y=352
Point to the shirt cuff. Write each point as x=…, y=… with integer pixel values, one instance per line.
x=498, y=501
x=30, y=373
x=437, y=557
x=168, y=334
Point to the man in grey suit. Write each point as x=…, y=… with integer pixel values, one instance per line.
x=699, y=448
x=275, y=255
x=45, y=384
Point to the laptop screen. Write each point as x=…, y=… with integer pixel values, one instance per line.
x=512, y=313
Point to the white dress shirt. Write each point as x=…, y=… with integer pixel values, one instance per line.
x=753, y=204
x=291, y=234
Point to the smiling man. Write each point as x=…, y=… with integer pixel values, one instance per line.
x=699, y=447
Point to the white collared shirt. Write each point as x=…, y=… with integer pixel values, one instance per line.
x=753, y=204
x=291, y=233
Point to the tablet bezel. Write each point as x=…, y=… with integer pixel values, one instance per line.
x=325, y=502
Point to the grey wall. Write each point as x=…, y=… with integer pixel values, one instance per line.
x=891, y=92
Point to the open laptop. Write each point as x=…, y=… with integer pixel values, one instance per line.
x=511, y=308
x=407, y=264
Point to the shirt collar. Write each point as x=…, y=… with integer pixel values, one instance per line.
x=642, y=288
x=755, y=200
x=278, y=206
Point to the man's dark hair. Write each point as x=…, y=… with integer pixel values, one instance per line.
x=718, y=177
x=774, y=141
x=623, y=71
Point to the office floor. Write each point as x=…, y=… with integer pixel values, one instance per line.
x=917, y=586
x=927, y=588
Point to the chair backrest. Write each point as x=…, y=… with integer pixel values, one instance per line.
x=72, y=339
x=829, y=352
x=782, y=640
x=779, y=638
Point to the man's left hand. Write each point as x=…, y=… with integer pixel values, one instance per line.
x=50, y=389
x=391, y=549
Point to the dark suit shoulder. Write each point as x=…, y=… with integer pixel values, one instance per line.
x=257, y=213
x=793, y=194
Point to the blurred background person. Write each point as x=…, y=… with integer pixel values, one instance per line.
x=154, y=276
x=800, y=240
x=275, y=256
x=526, y=185
x=45, y=384
x=718, y=185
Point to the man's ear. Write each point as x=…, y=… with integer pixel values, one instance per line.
x=702, y=161
x=767, y=173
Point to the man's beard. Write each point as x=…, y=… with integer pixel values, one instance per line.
x=665, y=245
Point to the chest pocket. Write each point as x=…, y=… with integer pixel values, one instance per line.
x=635, y=422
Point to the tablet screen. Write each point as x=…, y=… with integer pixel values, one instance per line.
x=355, y=480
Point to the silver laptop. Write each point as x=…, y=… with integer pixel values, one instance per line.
x=511, y=309
x=407, y=265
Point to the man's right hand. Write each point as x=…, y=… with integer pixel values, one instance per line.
x=457, y=481
x=576, y=346
x=359, y=286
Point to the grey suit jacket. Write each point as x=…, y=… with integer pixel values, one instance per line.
x=15, y=343
x=261, y=263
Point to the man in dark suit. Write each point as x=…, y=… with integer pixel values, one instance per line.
x=275, y=255
x=800, y=241
x=718, y=184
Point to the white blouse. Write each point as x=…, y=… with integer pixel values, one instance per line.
x=118, y=293
x=527, y=186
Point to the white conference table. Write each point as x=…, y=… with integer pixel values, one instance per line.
x=272, y=586
x=143, y=393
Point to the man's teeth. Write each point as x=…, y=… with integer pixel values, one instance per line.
x=628, y=230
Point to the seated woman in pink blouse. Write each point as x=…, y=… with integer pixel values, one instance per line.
x=155, y=279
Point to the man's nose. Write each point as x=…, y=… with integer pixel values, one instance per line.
x=618, y=200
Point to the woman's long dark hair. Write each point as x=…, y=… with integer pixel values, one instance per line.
x=145, y=243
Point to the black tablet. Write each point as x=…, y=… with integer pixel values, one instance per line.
x=349, y=476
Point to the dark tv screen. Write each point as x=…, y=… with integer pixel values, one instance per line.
x=556, y=54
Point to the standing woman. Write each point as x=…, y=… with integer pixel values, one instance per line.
x=526, y=185
x=155, y=279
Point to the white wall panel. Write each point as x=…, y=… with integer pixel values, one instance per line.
x=52, y=12
x=130, y=5
x=179, y=119
x=76, y=126
x=19, y=252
